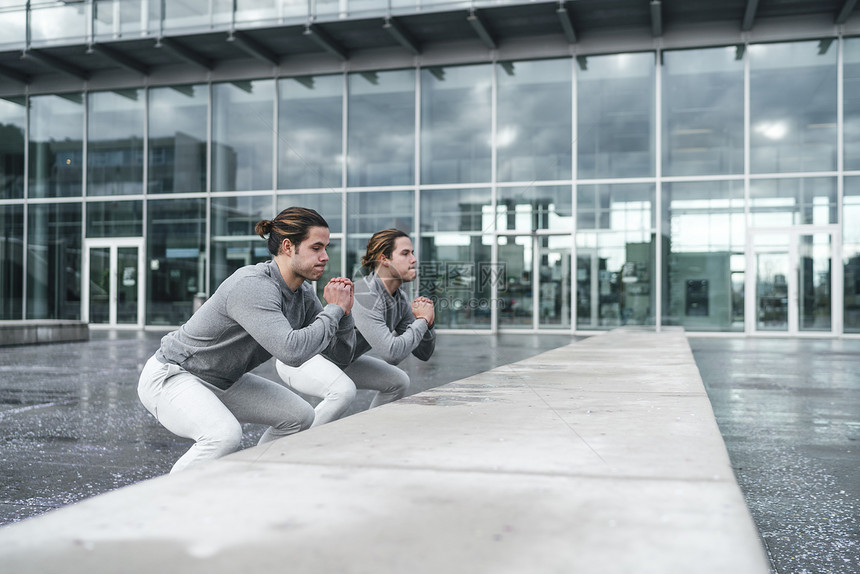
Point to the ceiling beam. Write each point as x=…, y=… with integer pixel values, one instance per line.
x=401, y=34
x=846, y=10
x=749, y=15
x=56, y=64
x=566, y=24
x=120, y=59
x=325, y=41
x=656, y=18
x=184, y=53
x=253, y=47
x=14, y=75
x=481, y=30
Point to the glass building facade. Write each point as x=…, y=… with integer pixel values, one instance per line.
x=716, y=188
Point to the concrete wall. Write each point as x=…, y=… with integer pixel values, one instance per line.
x=44, y=331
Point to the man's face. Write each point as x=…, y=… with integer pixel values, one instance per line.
x=401, y=265
x=309, y=257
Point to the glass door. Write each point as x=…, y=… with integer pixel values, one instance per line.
x=113, y=291
x=790, y=274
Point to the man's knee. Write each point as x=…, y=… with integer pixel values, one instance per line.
x=342, y=390
x=306, y=417
x=223, y=439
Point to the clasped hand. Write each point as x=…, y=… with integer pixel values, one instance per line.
x=339, y=291
x=423, y=308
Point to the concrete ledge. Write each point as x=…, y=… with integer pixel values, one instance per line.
x=42, y=331
x=599, y=457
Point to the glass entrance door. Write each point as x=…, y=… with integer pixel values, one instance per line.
x=791, y=276
x=113, y=291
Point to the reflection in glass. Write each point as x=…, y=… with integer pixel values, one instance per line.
x=54, y=261
x=455, y=271
x=703, y=112
x=554, y=281
x=310, y=132
x=14, y=25
x=329, y=205
x=785, y=202
x=772, y=269
x=99, y=285
x=191, y=14
x=851, y=103
x=615, y=262
x=456, y=210
x=115, y=143
x=456, y=123
x=369, y=212
x=851, y=254
x=114, y=19
x=814, y=275
x=177, y=139
x=381, y=128
x=115, y=219
x=234, y=243
x=11, y=261
x=56, y=145
x=705, y=265
x=516, y=295
x=615, y=115
x=793, y=107
x=242, y=135
x=176, y=249
x=13, y=119
x=533, y=208
x=58, y=21
x=534, y=125
x=126, y=285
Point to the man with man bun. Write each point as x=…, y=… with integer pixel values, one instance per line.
x=198, y=383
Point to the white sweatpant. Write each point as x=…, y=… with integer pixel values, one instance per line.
x=191, y=408
x=319, y=377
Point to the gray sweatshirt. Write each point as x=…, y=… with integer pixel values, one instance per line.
x=250, y=318
x=386, y=324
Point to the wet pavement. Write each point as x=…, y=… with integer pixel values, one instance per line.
x=71, y=426
x=789, y=413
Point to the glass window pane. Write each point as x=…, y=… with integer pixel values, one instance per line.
x=381, y=128
x=534, y=208
x=242, y=135
x=14, y=24
x=196, y=14
x=371, y=211
x=177, y=139
x=703, y=112
x=784, y=202
x=176, y=248
x=534, y=125
x=705, y=266
x=56, y=145
x=453, y=271
x=456, y=122
x=54, y=261
x=310, y=132
x=115, y=143
x=615, y=263
x=234, y=243
x=58, y=22
x=13, y=120
x=851, y=254
x=456, y=210
x=329, y=205
x=851, y=102
x=615, y=115
x=554, y=275
x=793, y=107
x=11, y=261
x=516, y=296
x=115, y=219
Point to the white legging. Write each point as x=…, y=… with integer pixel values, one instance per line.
x=191, y=408
x=319, y=377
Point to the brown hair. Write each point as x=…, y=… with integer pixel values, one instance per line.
x=293, y=223
x=382, y=243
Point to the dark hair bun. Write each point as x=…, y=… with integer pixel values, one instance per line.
x=263, y=227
